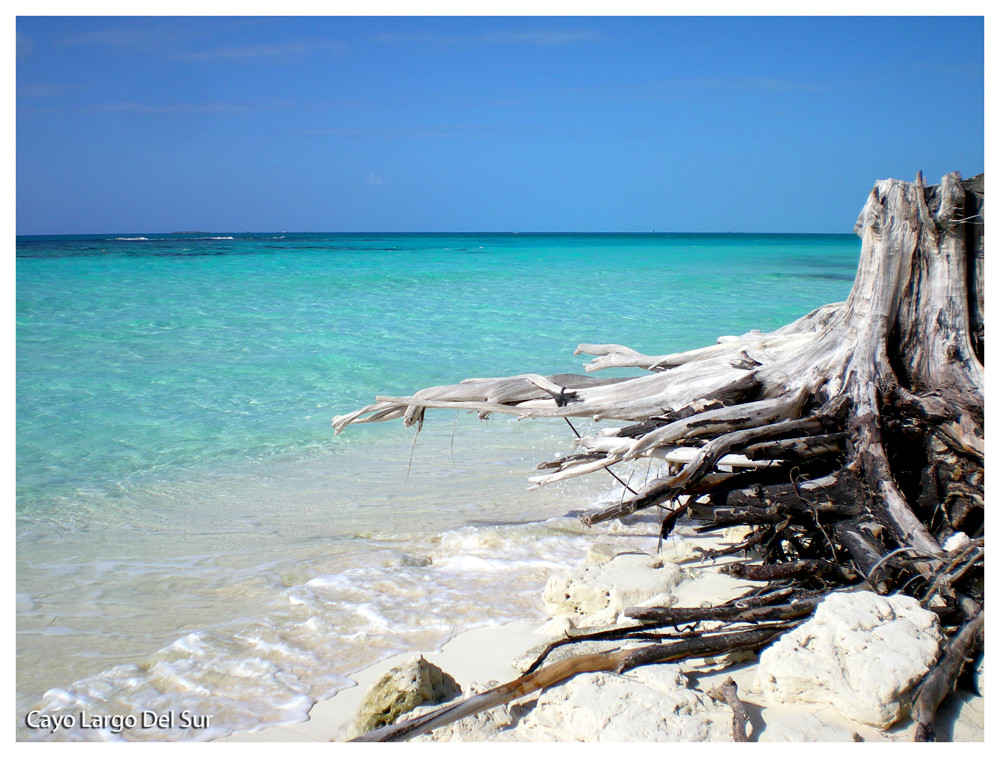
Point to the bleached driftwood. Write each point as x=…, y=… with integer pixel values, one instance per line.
x=903, y=340
x=851, y=439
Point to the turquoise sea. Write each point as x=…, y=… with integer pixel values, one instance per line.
x=190, y=532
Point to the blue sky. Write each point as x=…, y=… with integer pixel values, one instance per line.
x=485, y=124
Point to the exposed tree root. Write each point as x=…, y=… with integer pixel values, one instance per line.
x=727, y=692
x=941, y=681
x=852, y=438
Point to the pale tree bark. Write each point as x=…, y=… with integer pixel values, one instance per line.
x=854, y=433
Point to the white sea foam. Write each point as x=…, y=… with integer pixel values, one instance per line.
x=296, y=596
x=269, y=668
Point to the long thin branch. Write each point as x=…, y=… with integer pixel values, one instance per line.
x=727, y=692
x=731, y=614
x=941, y=681
x=661, y=490
x=617, y=661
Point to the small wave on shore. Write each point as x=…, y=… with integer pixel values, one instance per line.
x=324, y=618
x=297, y=595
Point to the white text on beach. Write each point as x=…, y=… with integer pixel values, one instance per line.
x=117, y=723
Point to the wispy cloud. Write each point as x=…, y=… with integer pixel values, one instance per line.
x=444, y=132
x=131, y=106
x=286, y=49
x=532, y=38
x=374, y=180
x=760, y=85
x=402, y=37
x=147, y=38
x=540, y=38
x=42, y=90
x=176, y=108
x=189, y=45
x=948, y=69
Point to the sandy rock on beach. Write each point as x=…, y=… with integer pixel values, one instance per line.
x=601, y=553
x=801, y=727
x=624, y=580
x=649, y=704
x=861, y=653
x=400, y=690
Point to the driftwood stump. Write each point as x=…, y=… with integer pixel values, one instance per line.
x=851, y=439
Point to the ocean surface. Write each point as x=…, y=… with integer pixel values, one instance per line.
x=192, y=537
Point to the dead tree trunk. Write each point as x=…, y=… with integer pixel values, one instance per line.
x=868, y=413
x=896, y=369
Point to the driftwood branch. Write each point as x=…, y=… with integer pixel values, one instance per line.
x=727, y=692
x=617, y=661
x=941, y=681
x=732, y=614
x=800, y=569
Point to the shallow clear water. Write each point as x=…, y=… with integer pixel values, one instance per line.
x=190, y=534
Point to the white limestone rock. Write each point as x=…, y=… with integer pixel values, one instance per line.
x=557, y=626
x=677, y=549
x=602, y=619
x=801, y=727
x=861, y=653
x=663, y=600
x=648, y=704
x=601, y=553
x=625, y=580
x=956, y=542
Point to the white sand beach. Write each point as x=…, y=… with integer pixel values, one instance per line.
x=631, y=706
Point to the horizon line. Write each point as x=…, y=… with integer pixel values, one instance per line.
x=427, y=233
